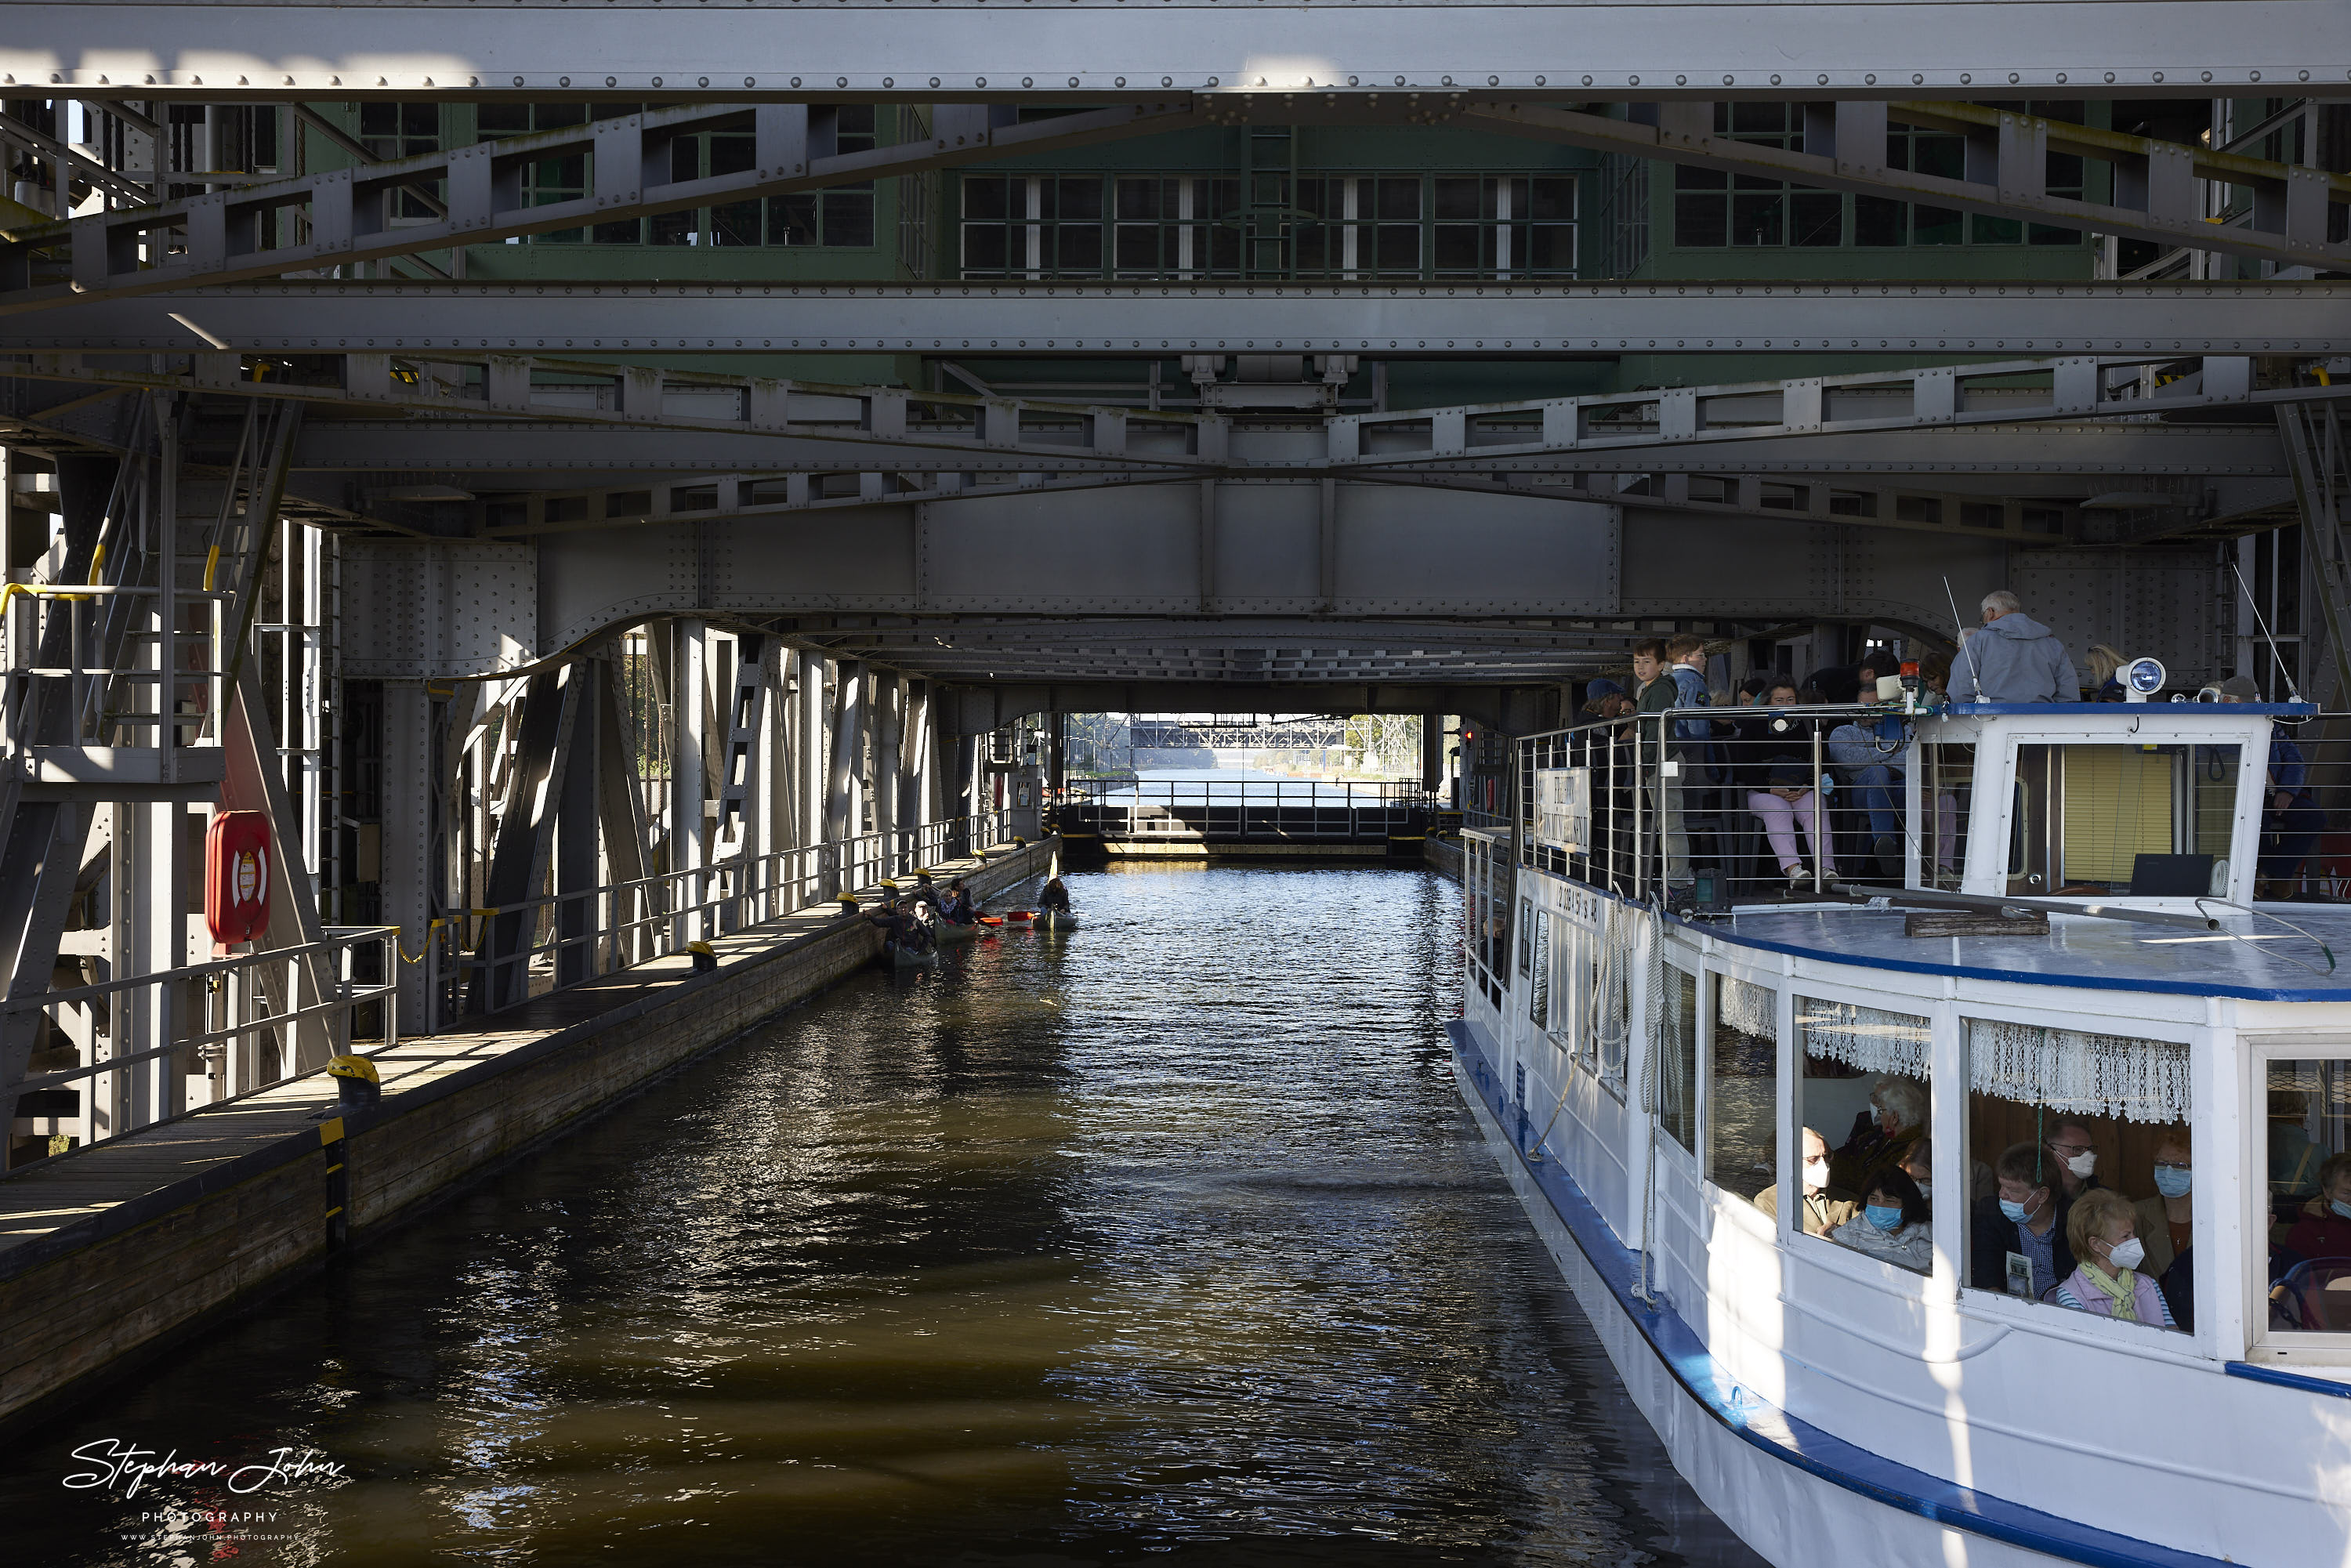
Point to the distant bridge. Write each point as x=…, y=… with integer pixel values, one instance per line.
x=1213, y=736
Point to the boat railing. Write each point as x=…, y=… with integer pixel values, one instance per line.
x=1730, y=801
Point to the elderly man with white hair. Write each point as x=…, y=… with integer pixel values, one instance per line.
x=2014, y=659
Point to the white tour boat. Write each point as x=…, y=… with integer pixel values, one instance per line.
x=1913, y=1386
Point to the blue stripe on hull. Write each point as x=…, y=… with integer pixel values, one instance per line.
x=1775, y=1431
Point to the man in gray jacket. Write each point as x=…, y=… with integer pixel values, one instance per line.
x=2014, y=659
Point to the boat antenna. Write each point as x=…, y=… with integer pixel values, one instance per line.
x=2250, y=604
x=1961, y=628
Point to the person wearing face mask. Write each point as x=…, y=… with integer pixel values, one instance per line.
x=1892, y=1223
x=2077, y=1160
x=1893, y=1124
x=2323, y=1231
x=1918, y=1164
x=2021, y=1217
x=2163, y=1220
x=1826, y=1207
x=2109, y=1280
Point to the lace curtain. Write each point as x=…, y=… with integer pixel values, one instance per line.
x=2086, y=1075
x=1750, y=1008
x=1865, y=1038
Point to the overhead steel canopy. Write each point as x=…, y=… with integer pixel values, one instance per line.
x=1489, y=320
x=1096, y=49
x=274, y=226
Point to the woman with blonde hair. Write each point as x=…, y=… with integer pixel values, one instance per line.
x=2102, y=1227
x=2105, y=682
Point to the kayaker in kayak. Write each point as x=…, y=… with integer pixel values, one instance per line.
x=902, y=927
x=958, y=906
x=1053, y=897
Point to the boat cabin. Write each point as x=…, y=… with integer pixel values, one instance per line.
x=1812, y=1106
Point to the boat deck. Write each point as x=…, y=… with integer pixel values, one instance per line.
x=2255, y=959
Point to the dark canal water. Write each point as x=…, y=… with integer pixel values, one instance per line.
x=1164, y=1240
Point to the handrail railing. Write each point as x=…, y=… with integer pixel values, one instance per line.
x=1289, y=809
x=567, y=939
x=296, y=1001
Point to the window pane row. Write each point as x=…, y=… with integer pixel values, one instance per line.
x=1269, y=225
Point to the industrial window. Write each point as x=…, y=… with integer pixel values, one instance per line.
x=2300, y=1245
x=1308, y=226
x=838, y=217
x=401, y=130
x=547, y=181
x=1714, y=208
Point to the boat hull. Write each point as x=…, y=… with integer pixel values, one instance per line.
x=1789, y=1514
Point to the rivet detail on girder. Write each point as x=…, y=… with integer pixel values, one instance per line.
x=518, y=82
x=1775, y=80
x=1587, y=81
x=935, y=81
x=1119, y=81
x=1024, y=81
x=1870, y=80
x=2110, y=76
x=704, y=82
x=1170, y=81
x=886, y=81
x=1678, y=81
x=563, y=81
x=2158, y=76
x=2208, y=76
x=1824, y=78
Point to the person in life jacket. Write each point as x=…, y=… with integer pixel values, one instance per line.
x=1054, y=896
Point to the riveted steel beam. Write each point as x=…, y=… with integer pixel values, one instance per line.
x=1483, y=321
x=1088, y=50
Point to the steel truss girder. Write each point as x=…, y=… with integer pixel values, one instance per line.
x=1484, y=321
x=1093, y=50
x=824, y=426
x=224, y=235
x=2007, y=165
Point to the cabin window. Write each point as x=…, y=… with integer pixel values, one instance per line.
x=1526, y=938
x=1743, y=1087
x=1677, y=1059
x=1866, y=1094
x=2098, y=819
x=2309, y=1189
x=1539, y=985
x=2087, y=1135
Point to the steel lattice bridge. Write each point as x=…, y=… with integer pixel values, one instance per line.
x=1279, y=735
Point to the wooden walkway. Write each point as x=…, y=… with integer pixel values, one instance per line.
x=221, y=1143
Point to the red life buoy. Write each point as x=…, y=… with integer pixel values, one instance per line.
x=237, y=876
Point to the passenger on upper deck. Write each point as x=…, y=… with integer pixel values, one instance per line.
x=1671, y=678
x=1893, y=1223
x=2291, y=820
x=2164, y=1219
x=2014, y=659
x=2323, y=1231
x=2105, y=685
x=1896, y=1120
x=2108, y=1280
x=2023, y=1217
x=1772, y=762
x=1825, y=1207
